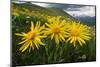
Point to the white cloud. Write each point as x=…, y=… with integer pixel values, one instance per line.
x=41, y=4
x=83, y=11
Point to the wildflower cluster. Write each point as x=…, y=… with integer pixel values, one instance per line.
x=56, y=29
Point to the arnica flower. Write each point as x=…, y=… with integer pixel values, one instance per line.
x=78, y=32
x=32, y=38
x=56, y=29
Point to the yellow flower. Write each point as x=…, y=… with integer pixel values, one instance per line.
x=33, y=38
x=56, y=29
x=78, y=32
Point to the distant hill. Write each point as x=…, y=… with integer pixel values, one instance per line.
x=88, y=20
x=48, y=11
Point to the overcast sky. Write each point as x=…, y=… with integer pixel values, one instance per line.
x=74, y=10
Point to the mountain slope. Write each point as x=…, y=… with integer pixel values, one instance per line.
x=42, y=10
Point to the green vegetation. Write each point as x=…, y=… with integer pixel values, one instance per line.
x=23, y=14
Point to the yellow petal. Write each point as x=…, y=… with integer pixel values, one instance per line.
x=39, y=41
x=79, y=42
x=31, y=45
x=22, y=42
x=56, y=39
x=62, y=37
x=27, y=45
x=32, y=26
x=35, y=43
x=82, y=40
x=69, y=39
x=72, y=40
x=48, y=25
x=24, y=46
x=52, y=36
x=19, y=34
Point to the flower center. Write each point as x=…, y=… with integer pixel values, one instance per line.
x=31, y=35
x=75, y=33
x=56, y=30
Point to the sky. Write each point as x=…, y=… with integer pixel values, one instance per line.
x=74, y=10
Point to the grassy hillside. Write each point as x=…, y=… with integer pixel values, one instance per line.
x=42, y=10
